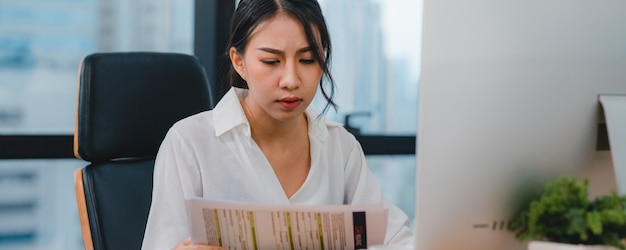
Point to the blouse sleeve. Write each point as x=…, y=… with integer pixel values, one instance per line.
x=173, y=171
x=362, y=187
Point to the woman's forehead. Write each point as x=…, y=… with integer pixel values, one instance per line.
x=282, y=29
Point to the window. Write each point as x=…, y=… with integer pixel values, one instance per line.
x=41, y=45
x=376, y=62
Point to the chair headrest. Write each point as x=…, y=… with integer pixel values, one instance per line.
x=127, y=101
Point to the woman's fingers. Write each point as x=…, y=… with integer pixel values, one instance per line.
x=186, y=244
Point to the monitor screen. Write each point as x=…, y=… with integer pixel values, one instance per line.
x=508, y=100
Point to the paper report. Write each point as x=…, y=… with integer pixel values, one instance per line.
x=236, y=225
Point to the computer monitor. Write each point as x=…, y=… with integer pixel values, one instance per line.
x=508, y=100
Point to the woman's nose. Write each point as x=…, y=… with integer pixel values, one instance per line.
x=290, y=78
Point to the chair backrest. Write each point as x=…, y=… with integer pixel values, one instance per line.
x=126, y=103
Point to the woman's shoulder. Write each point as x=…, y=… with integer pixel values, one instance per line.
x=337, y=129
x=334, y=132
x=202, y=121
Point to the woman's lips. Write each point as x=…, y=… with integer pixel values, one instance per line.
x=290, y=102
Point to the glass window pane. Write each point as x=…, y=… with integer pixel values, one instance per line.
x=375, y=63
x=38, y=204
x=43, y=41
x=41, y=45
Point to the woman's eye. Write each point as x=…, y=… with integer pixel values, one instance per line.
x=307, y=61
x=270, y=62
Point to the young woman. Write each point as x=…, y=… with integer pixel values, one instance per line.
x=262, y=143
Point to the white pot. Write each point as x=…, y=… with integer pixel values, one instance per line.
x=543, y=245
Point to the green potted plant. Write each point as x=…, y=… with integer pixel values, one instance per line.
x=563, y=217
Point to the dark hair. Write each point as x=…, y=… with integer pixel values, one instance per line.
x=250, y=13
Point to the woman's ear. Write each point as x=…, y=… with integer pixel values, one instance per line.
x=237, y=60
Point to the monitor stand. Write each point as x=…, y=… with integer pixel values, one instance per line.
x=614, y=107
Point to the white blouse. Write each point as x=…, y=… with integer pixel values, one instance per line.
x=212, y=154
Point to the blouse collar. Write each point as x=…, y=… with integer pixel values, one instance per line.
x=228, y=115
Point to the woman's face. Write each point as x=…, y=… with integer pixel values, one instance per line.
x=280, y=70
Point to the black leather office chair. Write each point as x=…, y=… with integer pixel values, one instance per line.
x=126, y=103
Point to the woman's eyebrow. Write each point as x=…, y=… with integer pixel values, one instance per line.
x=305, y=49
x=280, y=52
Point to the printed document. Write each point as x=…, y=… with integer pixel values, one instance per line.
x=237, y=225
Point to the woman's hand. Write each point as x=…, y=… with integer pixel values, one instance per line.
x=188, y=245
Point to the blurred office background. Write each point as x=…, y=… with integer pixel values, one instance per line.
x=376, y=48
